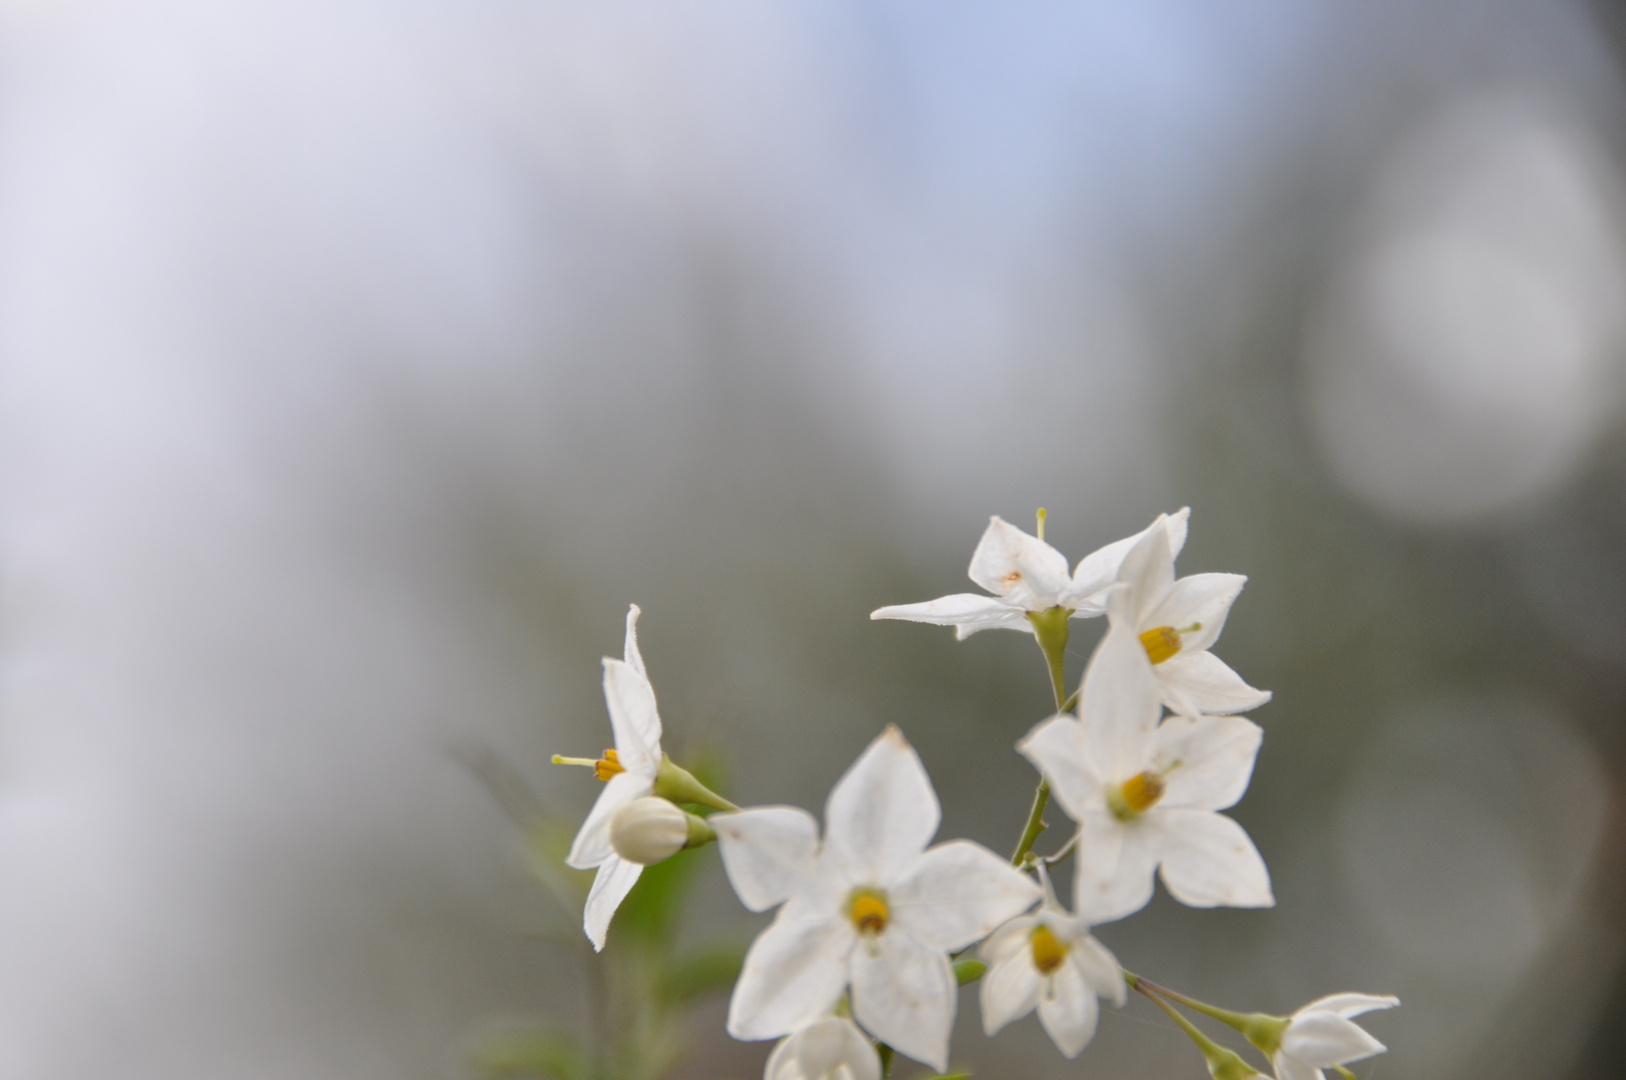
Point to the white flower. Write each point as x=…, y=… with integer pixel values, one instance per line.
x=1322, y=1035
x=630, y=770
x=1048, y=960
x=1177, y=622
x=1144, y=794
x=828, y=1049
x=1026, y=574
x=869, y=908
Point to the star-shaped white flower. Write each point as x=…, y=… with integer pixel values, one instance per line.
x=1322, y=1035
x=1145, y=794
x=870, y=907
x=1049, y=960
x=828, y=1049
x=1177, y=623
x=630, y=770
x=1026, y=574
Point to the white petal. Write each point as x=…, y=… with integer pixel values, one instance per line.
x=1148, y=569
x=1291, y=1068
x=1120, y=704
x=970, y=611
x=904, y=994
x=614, y=880
x=1022, y=568
x=1325, y=1039
x=957, y=892
x=793, y=975
x=783, y=1063
x=882, y=812
x=1204, y=599
x=1201, y=682
x=1056, y=748
x=1068, y=1010
x=1350, y=1004
x=1007, y=941
x=592, y=844
x=1100, y=968
x=1208, y=760
x=1009, y=990
x=769, y=852
x=825, y=1046
x=1115, y=866
x=629, y=651
x=1208, y=860
x=1099, y=569
x=633, y=719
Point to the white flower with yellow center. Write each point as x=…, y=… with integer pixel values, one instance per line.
x=1049, y=961
x=1146, y=794
x=828, y=1049
x=1025, y=574
x=1322, y=1036
x=1177, y=622
x=868, y=908
x=629, y=771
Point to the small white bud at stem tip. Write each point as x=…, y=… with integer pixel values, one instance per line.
x=648, y=830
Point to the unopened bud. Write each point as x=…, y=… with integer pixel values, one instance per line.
x=648, y=830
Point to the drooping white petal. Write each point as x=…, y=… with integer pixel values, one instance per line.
x=592, y=844
x=1100, y=568
x=1325, y=1039
x=1350, y=1004
x=633, y=719
x=1291, y=1068
x=768, y=852
x=1010, y=989
x=1206, y=761
x=1208, y=860
x=814, y=1052
x=882, y=812
x=1022, y=568
x=957, y=892
x=971, y=611
x=1068, y=1010
x=1056, y=748
x=614, y=880
x=1201, y=682
x=1120, y=704
x=793, y=975
x=1200, y=599
x=1100, y=969
x=629, y=651
x=904, y=994
x=1115, y=866
x=1148, y=568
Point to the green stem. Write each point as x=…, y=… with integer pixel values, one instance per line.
x=1035, y=825
x=1223, y=1064
x=886, y=1054
x=1239, y=1021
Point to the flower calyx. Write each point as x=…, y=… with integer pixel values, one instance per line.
x=677, y=784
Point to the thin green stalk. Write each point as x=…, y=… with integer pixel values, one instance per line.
x=1035, y=825
x=1223, y=1064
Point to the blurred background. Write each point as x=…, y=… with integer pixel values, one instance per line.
x=360, y=362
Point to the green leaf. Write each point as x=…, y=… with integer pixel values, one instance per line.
x=530, y=1054
x=706, y=971
x=968, y=970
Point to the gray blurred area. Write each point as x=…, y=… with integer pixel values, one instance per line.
x=360, y=362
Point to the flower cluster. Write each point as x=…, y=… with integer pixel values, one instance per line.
x=875, y=924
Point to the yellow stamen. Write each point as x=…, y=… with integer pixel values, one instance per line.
x=1162, y=642
x=1048, y=953
x=603, y=768
x=1041, y=522
x=1137, y=795
x=868, y=910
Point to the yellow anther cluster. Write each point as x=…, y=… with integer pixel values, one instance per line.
x=1048, y=951
x=1137, y=795
x=868, y=911
x=1161, y=643
x=607, y=766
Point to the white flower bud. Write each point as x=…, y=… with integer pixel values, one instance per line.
x=648, y=830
